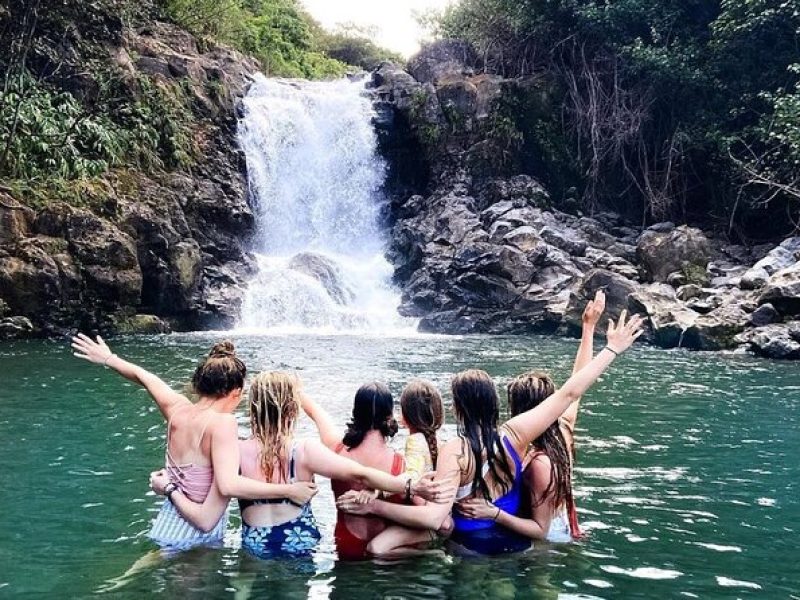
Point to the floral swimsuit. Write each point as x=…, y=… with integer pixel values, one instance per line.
x=294, y=538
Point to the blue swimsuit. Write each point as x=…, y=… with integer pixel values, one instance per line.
x=484, y=536
x=295, y=538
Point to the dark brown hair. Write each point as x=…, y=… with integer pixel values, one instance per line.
x=524, y=393
x=475, y=403
x=373, y=408
x=220, y=373
x=421, y=405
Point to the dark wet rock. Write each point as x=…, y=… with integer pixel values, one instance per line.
x=141, y=324
x=12, y=328
x=782, y=290
x=774, y=341
x=716, y=330
x=147, y=247
x=780, y=257
x=684, y=249
x=764, y=315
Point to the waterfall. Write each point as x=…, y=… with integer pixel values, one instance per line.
x=315, y=181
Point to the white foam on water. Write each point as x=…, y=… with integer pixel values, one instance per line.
x=642, y=572
x=315, y=181
x=728, y=582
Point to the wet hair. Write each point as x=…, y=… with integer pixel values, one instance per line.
x=476, y=407
x=274, y=408
x=373, y=408
x=220, y=373
x=524, y=393
x=421, y=405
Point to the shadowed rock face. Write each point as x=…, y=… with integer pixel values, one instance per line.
x=480, y=247
x=171, y=246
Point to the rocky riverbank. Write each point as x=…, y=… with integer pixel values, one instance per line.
x=479, y=245
x=134, y=249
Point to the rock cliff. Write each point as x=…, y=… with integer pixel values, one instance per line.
x=137, y=249
x=479, y=245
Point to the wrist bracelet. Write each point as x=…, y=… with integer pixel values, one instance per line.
x=497, y=514
x=170, y=489
x=108, y=358
x=408, y=490
x=610, y=349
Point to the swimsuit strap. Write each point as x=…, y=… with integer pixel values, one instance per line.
x=169, y=458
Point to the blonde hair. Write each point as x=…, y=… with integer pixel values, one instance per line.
x=274, y=408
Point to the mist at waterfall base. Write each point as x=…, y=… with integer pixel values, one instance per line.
x=315, y=180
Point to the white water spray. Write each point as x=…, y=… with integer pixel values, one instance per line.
x=315, y=181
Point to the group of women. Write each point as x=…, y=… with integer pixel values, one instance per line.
x=491, y=489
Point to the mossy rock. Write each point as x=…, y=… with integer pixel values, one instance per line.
x=140, y=324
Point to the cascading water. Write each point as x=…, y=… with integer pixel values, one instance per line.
x=315, y=181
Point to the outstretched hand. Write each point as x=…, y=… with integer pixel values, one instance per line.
x=94, y=351
x=594, y=309
x=622, y=334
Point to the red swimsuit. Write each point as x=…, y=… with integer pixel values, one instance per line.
x=348, y=545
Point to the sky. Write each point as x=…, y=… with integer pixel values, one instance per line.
x=393, y=20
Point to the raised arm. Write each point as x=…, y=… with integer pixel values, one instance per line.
x=203, y=516
x=99, y=353
x=330, y=435
x=323, y=461
x=428, y=516
x=526, y=427
x=225, y=459
x=591, y=315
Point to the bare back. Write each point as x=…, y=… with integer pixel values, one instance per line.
x=372, y=452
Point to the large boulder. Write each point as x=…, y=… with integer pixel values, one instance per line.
x=618, y=291
x=774, y=341
x=441, y=59
x=782, y=290
x=716, y=330
x=780, y=257
x=684, y=249
x=326, y=272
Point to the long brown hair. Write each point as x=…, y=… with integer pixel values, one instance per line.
x=421, y=405
x=524, y=393
x=475, y=402
x=274, y=408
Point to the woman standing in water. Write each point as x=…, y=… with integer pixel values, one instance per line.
x=283, y=527
x=202, y=450
x=365, y=441
x=486, y=458
x=550, y=513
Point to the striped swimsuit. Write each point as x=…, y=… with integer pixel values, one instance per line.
x=169, y=529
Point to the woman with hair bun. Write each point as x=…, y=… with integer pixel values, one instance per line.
x=280, y=527
x=202, y=450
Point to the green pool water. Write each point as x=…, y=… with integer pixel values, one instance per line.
x=687, y=478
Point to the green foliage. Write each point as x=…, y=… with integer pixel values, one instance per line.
x=48, y=133
x=353, y=45
x=681, y=108
x=277, y=32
